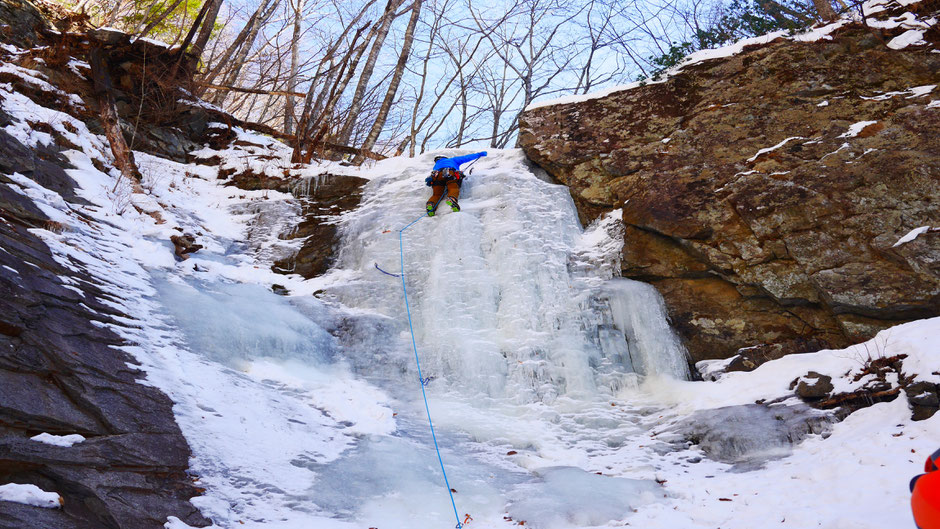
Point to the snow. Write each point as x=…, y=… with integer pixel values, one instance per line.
x=28, y=494
x=911, y=37
x=58, y=440
x=917, y=91
x=911, y=235
x=821, y=33
x=35, y=78
x=155, y=42
x=856, y=128
x=920, y=91
x=175, y=523
x=774, y=148
x=303, y=410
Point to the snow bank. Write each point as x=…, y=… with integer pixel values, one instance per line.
x=771, y=380
x=29, y=495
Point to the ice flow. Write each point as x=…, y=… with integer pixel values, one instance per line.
x=508, y=300
x=519, y=321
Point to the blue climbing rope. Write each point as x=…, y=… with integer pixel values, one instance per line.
x=414, y=345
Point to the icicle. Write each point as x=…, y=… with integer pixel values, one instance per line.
x=640, y=313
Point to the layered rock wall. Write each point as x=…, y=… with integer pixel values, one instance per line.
x=60, y=373
x=61, y=368
x=763, y=193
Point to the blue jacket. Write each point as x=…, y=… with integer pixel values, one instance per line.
x=455, y=162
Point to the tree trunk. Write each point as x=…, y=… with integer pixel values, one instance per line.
x=307, y=123
x=226, y=57
x=294, y=66
x=380, y=33
x=123, y=156
x=115, y=12
x=824, y=9
x=207, y=26
x=239, y=61
x=160, y=18
x=312, y=101
x=393, y=86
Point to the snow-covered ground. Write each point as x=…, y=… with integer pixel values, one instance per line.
x=305, y=410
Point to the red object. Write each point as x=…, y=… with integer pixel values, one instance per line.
x=925, y=495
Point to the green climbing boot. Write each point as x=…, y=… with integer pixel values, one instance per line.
x=430, y=209
x=452, y=202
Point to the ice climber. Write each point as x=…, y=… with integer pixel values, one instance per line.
x=447, y=175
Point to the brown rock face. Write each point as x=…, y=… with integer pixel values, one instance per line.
x=322, y=202
x=754, y=198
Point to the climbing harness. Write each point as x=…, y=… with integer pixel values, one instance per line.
x=421, y=379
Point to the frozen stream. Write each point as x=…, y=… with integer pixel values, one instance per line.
x=531, y=346
x=305, y=410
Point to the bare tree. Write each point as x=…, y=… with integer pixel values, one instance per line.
x=298, y=7
x=396, y=80
x=205, y=33
x=378, y=36
x=224, y=62
x=265, y=11
x=341, y=72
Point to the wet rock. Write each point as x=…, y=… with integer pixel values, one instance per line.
x=184, y=245
x=924, y=398
x=21, y=23
x=813, y=386
x=61, y=372
x=249, y=180
x=322, y=203
x=793, y=247
x=33, y=164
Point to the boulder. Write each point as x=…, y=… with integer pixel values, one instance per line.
x=924, y=398
x=813, y=386
x=21, y=23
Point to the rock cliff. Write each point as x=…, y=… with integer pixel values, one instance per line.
x=763, y=193
x=61, y=374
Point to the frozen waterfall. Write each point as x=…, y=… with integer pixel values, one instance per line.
x=510, y=301
x=534, y=350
